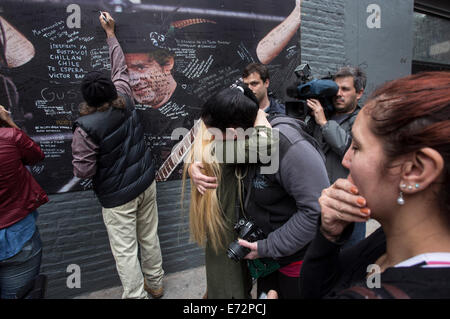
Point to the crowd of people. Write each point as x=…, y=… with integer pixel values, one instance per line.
x=298, y=230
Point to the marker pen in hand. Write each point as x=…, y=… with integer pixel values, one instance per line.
x=104, y=17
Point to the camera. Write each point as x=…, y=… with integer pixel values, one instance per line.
x=308, y=88
x=248, y=231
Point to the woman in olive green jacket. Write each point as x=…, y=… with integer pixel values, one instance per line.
x=213, y=213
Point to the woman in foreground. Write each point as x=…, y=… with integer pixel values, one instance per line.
x=399, y=163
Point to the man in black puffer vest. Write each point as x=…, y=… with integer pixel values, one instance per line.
x=108, y=146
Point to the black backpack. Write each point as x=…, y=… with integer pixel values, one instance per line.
x=301, y=127
x=275, y=120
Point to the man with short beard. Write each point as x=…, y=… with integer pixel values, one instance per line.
x=333, y=131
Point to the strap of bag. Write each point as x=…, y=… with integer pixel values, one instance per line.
x=240, y=203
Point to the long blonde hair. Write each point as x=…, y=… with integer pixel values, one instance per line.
x=206, y=218
x=230, y=108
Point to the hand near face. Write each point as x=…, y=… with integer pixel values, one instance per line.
x=340, y=205
x=261, y=119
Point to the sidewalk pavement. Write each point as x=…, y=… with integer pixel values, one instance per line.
x=186, y=284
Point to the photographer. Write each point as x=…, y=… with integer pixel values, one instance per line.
x=333, y=131
x=284, y=206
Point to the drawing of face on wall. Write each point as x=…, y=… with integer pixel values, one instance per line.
x=151, y=76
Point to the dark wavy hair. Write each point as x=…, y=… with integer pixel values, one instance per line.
x=412, y=113
x=230, y=108
x=358, y=75
x=259, y=68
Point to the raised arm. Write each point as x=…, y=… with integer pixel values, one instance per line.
x=272, y=44
x=119, y=69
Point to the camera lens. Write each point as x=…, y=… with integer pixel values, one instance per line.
x=232, y=255
x=236, y=251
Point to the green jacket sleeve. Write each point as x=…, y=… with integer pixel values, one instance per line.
x=254, y=145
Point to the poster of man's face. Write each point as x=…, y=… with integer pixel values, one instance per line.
x=151, y=78
x=178, y=54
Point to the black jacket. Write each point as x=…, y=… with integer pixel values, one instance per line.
x=124, y=165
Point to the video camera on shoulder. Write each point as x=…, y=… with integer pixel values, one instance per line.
x=306, y=87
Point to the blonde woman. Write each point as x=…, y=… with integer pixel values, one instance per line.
x=213, y=213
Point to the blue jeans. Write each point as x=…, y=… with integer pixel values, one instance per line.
x=17, y=271
x=359, y=233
